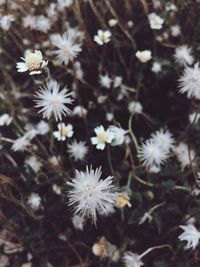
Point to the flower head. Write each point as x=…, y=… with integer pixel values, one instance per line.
x=77, y=150
x=102, y=137
x=143, y=56
x=155, y=21
x=34, y=201
x=91, y=195
x=52, y=101
x=164, y=139
x=63, y=131
x=183, y=55
x=191, y=235
x=102, y=37
x=182, y=153
x=119, y=135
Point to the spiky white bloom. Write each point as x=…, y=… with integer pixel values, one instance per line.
x=5, y=119
x=42, y=127
x=190, y=82
x=79, y=111
x=62, y=4
x=155, y=21
x=34, y=201
x=156, y=67
x=21, y=143
x=164, y=139
x=43, y=24
x=146, y=217
x=102, y=137
x=77, y=150
x=194, y=117
x=131, y=259
x=182, y=153
x=63, y=131
x=67, y=48
x=175, y=30
x=105, y=81
x=152, y=154
x=119, y=135
x=52, y=101
x=33, y=62
x=33, y=163
x=5, y=22
x=102, y=37
x=143, y=56
x=183, y=55
x=135, y=107
x=191, y=235
x=78, y=222
x=91, y=195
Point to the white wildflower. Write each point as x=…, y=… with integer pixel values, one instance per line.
x=131, y=259
x=112, y=22
x=191, y=235
x=63, y=131
x=156, y=67
x=33, y=163
x=77, y=150
x=182, y=153
x=119, y=135
x=155, y=21
x=43, y=24
x=164, y=139
x=79, y=111
x=42, y=128
x=5, y=119
x=5, y=22
x=183, y=55
x=102, y=37
x=62, y=4
x=102, y=137
x=20, y=144
x=143, y=56
x=105, y=81
x=34, y=201
x=135, y=107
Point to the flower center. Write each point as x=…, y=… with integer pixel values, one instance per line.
x=33, y=61
x=102, y=137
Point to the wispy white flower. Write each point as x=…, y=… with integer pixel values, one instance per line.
x=135, y=107
x=5, y=119
x=155, y=21
x=91, y=195
x=63, y=131
x=183, y=55
x=131, y=259
x=77, y=150
x=33, y=163
x=175, y=30
x=156, y=67
x=102, y=37
x=164, y=139
x=102, y=137
x=30, y=21
x=191, y=235
x=52, y=101
x=67, y=48
x=5, y=22
x=105, y=81
x=20, y=144
x=182, y=153
x=117, y=82
x=143, y=56
x=34, y=201
x=33, y=62
x=43, y=24
x=42, y=128
x=190, y=82
x=119, y=135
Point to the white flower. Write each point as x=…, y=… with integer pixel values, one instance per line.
x=91, y=195
x=182, y=153
x=109, y=116
x=52, y=12
x=20, y=144
x=33, y=163
x=105, y=81
x=190, y=82
x=43, y=24
x=155, y=21
x=62, y=4
x=5, y=22
x=131, y=259
x=135, y=107
x=117, y=81
x=183, y=55
x=5, y=119
x=144, y=56
x=78, y=222
x=191, y=235
x=34, y=201
x=164, y=139
x=152, y=154
x=63, y=131
x=175, y=30
x=112, y=22
x=102, y=37
x=194, y=117
x=30, y=21
x=42, y=128
x=102, y=137
x=119, y=135
x=77, y=150
x=156, y=67
x=52, y=101
x=33, y=62
x=156, y=4
x=67, y=48
x=171, y=7
x=79, y=111
x=78, y=70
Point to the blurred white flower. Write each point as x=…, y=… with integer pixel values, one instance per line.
x=20, y=144
x=78, y=222
x=91, y=195
x=77, y=150
x=51, y=11
x=34, y=201
x=171, y=7
x=131, y=259
x=143, y=56
x=104, y=249
x=102, y=137
x=105, y=81
x=5, y=119
x=190, y=82
x=156, y=3
x=5, y=22
x=42, y=127
x=191, y=235
x=183, y=55
x=79, y=111
x=78, y=70
x=175, y=30
x=164, y=139
x=67, y=48
x=156, y=67
x=62, y=4
x=155, y=21
x=119, y=135
x=117, y=81
x=109, y=116
x=30, y=21
x=112, y=22
x=154, y=169
x=63, y=131
x=33, y=163
x=135, y=107
x=182, y=153
x=102, y=37
x=43, y=24
x=52, y=101
x=33, y=62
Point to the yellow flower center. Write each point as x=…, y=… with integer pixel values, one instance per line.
x=102, y=137
x=123, y=201
x=34, y=60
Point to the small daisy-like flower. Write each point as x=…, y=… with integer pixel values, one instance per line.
x=155, y=21
x=119, y=135
x=191, y=235
x=34, y=201
x=102, y=137
x=33, y=62
x=135, y=107
x=91, y=195
x=102, y=37
x=63, y=131
x=68, y=49
x=52, y=101
x=77, y=150
x=143, y=56
x=5, y=119
x=151, y=154
x=105, y=81
x=131, y=259
x=164, y=139
x=190, y=82
x=183, y=55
